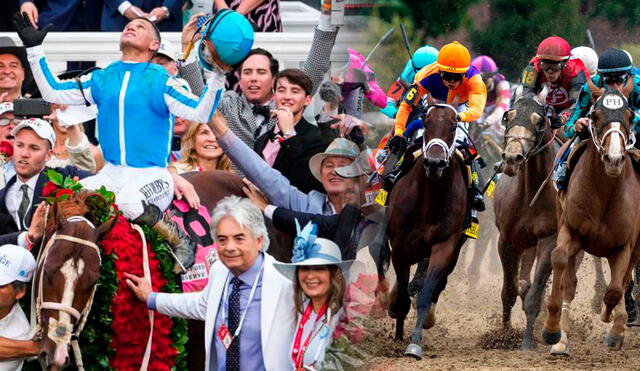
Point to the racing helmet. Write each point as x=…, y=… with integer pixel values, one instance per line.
x=484, y=63
x=554, y=48
x=589, y=58
x=454, y=58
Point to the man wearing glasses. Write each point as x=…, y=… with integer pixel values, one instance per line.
x=614, y=72
x=451, y=80
x=563, y=77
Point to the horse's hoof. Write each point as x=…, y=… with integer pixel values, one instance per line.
x=614, y=342
x=414, y=350
x=560, y=349
x=551, y=338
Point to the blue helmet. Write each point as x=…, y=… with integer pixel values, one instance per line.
x=232, y=36
x=421, y=58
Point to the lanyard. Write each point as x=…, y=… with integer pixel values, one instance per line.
x=253, y=291
x=297, y=354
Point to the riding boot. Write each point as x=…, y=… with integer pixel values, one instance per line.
x=477, y=200
x=183, y=248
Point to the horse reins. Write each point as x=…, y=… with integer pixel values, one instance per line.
x=60, y=333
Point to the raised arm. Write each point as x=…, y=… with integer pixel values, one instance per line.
x=191, y=107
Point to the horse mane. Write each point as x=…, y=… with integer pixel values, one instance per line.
x=75, y=205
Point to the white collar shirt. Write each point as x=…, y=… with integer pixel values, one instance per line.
x=14, y=198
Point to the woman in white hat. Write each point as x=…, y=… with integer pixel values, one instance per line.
x=317, y=272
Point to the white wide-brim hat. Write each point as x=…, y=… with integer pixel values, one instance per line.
x=321, y=252
x=338, y=147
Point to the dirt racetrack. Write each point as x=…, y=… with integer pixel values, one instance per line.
x=468, y=317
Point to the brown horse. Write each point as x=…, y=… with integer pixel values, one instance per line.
x=426, y=217
x=600, y=216
x=65, y=279
x=528, y=157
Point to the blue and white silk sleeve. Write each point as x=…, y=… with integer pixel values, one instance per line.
x=191, y=107
x=53, y=90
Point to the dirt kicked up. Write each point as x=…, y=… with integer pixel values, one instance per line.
x=469, y=322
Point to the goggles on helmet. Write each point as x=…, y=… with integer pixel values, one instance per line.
x=614, y=79
x=451, y=77
x=551, y=66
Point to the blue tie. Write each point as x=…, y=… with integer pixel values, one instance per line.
x=233, y=353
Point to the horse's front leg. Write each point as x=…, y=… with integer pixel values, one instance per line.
x=400, y=303
x=620, y=274
x=569, y=284
x=509, y=259
x=534, y=296
x=441, y=255
x=567, y=247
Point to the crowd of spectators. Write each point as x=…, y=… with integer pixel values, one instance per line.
x=308, y=178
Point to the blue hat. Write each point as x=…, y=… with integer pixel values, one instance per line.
x=232, y=36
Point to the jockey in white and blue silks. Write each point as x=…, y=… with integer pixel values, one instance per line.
x=135, y=103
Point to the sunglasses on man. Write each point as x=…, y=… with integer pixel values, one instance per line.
x=551, y=66
x=615, y=79
x=451, y=77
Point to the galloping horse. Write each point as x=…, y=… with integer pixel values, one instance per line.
x=65, y=279
x=528, y=158
x=426, y=218
x=599, y=215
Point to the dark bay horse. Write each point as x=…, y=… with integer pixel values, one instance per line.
x=426, y=217
x=599, y=215
x=528, y=158
x=66, y=276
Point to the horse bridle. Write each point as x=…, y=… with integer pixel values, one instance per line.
x=437, y=142
x=536, y=140
x=599, y=142
x=59, y=332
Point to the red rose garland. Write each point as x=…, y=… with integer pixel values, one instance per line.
x=130, y=316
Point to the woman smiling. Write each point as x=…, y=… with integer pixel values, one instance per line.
x=319, y=286
x=200, y=150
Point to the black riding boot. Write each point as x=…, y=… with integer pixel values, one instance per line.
x=183, y=248
x=477, y=200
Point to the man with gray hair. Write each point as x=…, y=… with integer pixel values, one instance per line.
x=248, y=308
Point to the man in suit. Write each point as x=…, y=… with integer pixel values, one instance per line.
x=166, y=14
x=291, y=143
x=32, y=148
x=243, y=283
x=15, y=75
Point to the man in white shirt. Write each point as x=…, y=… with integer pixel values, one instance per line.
x=33, y=147
x=16, y=268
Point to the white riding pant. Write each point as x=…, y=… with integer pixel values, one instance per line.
x=462, y=134
x=134, y=185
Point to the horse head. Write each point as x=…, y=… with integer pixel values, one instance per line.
x=525, y=127
x=610, y=129
x=66, y=276
x=438, y=138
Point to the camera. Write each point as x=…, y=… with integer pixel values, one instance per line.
x=27, y=108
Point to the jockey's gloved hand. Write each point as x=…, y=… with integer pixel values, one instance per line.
x=28, y=34
x=397, y=144
x=556, y=122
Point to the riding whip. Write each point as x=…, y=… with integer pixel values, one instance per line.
x=544, y=183
x=382, y=39
x=407, y=46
